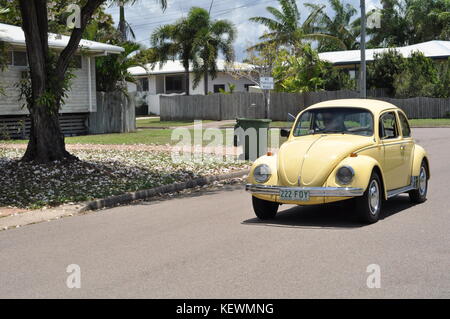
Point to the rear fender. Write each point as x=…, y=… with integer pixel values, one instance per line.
x=419, y=155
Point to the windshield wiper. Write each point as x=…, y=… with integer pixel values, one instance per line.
x=332, y=131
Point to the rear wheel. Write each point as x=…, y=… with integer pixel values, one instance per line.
x=369, y=205
x=419, y=195
x=264, y=209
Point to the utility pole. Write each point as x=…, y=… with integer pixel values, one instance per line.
x=363, y=71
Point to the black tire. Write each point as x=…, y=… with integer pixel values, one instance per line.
x=419, y=195
x=368, y=206
x=264, y=209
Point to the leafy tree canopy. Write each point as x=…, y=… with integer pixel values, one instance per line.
x=405, y=22
x=100, y=28
x=305, y=72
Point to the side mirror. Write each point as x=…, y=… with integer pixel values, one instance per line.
x=284, y=132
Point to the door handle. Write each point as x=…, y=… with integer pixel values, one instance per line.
x=402, y=147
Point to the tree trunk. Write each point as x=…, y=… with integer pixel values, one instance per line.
x=45, y=131
x=186, y=80
x=122, y=24
x=46, y=140
x=206, y=83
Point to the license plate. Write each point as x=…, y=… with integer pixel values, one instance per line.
x=294, y=195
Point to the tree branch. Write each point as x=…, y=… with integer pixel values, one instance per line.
x=64, y=58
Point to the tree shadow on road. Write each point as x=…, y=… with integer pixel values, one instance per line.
x=329, y=216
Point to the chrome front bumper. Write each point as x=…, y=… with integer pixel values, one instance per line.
x=313, y=191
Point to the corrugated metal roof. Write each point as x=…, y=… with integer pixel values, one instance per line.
x=15, y=35
x=431, y=49
x=176, y=66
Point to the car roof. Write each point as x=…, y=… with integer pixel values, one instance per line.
x=375, y=106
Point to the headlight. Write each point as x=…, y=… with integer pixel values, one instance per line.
x=345, y=175
x=262, y=173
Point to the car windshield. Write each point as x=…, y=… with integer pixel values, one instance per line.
x=344, y=120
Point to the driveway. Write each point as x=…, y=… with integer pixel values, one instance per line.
x=209, y=245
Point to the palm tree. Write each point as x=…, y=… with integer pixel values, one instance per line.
x=173, y=41
x=124, y=27
x=215, y=37
x=285, y=27
x=338, y=26
x=194, y=39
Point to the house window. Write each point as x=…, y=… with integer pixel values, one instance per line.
x=352, y=74
x=247, y=86
x=9, y=58
x=175, y=84
x=142, y=85
x=217, y=87
x=18, y=58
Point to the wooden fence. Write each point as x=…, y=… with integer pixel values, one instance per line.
x=230, y=106
x=115, y=114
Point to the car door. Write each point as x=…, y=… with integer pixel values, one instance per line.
x=394, y=167
x=408, y=150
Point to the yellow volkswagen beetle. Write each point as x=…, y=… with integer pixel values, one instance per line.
x=338, y=150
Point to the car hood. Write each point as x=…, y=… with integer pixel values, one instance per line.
x=313, y=157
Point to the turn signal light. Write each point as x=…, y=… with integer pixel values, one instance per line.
x=353, y=155
x=269, y=153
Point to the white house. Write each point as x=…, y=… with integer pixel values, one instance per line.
x=169, y=79
x=82, y=97
x=351, y=59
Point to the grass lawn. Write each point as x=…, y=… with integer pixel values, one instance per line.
x=154, y=136
x=146, y=137
x=156, y=122
x=429, y=122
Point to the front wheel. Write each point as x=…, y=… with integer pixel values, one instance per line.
x=264, y=209
x=369, y=205
x=420, y=195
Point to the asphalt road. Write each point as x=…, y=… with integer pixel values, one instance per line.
x=209, y=245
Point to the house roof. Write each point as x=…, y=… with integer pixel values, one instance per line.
x=432, y=49
x=176, y=66
x=15, y=36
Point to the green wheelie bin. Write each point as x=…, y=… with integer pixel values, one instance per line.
x=254, y=136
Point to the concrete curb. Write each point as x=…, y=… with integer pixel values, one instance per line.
x=42, y=215
x=113, y=201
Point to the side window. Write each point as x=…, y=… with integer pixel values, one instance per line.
x=217, y=87
x=406, y=131
x=142, y=85
x=303, y=125
x=388, y=126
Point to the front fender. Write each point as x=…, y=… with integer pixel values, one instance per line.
x=419, y=155
x=363, y=166
x=271, y=161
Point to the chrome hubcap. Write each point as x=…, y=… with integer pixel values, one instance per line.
x=374, y=196
x=422, y=181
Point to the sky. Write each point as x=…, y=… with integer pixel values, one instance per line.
x=146, y=15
